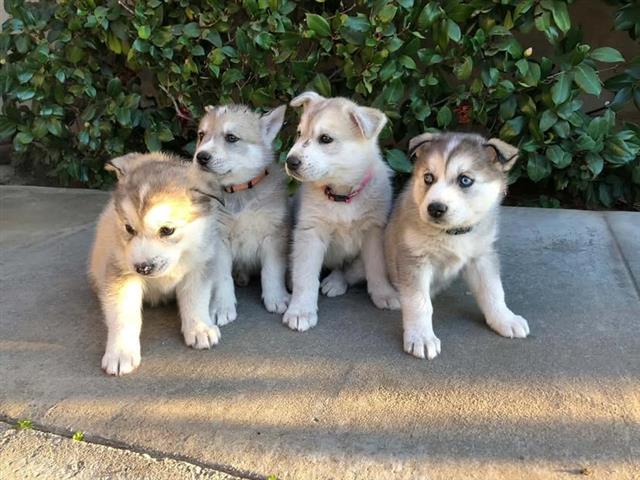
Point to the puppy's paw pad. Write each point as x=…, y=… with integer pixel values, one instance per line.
x=223, y=315
x=421, y=345
x=386, y=299
x=202, y=336
x=334, y=285
x=300, y=320
x=277, y=303
x=121, y=361
x=511, y=326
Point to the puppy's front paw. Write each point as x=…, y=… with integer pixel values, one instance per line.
x=300, y=319
x=334, y=284
x=121, y=358
x=276, y=303
x=222, y=314
x=201, y=336
x=421, y=344
x=510, y=325
x=385, y=298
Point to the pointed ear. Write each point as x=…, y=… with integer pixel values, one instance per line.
x=502, y=152
x=305, y=99
x=370, y=121
x=209, y=108
x=272, y=122
x=121, y=165
x=417, y=142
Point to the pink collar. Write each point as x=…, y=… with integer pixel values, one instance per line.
x=331, y=195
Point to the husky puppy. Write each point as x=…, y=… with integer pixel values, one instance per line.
x=444, y=222
x=153, y=240
x=344, y=202
x=235, y=151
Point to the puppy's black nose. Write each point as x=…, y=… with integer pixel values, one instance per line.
x=203, y=157
x=144, y=268
x=436, y=209
x=293, y=163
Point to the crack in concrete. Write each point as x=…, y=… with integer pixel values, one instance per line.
x=625, y=262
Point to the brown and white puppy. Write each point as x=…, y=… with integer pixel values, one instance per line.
x=444, y=222
x=235, y=151
x=155, y=239
x=344, y=202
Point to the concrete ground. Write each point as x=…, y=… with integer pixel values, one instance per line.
x=342, y=400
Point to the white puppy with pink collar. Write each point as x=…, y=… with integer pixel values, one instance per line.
x=345, y=200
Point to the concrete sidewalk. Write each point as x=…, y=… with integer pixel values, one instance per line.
x=342, y=400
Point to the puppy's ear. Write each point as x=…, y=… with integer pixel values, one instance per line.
x=271, y=122
x=209, y=108
x=502, y=153
x=305, y=99
x=121, y=165
x=370, y=121
x=417, y=142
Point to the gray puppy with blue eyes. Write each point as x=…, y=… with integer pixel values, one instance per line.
x=446, y=222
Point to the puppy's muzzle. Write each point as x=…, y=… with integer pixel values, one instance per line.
x=293, y=163
x=437, y=209
x=145, y=268
x=203, y=158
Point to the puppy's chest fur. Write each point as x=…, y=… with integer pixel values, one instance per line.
x=254, y=215
x=446, y=255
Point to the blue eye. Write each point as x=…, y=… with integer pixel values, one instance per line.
x=231, y=138
x=464, y=181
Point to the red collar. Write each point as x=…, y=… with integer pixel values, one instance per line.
x=244, y=186
x=331, y=195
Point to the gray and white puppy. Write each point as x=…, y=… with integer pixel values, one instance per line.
x=344, y=203
x=235, y=151
x=445, y=222
x=155, y=239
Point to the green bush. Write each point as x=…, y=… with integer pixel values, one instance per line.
x=83, y=81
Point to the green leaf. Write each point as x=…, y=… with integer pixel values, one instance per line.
x=144, y=31
x=453, y=31
x=191, y=30
x=538, y=167
x=25, y=93
x=318, y=24
x=561, y=90
x=444, y=117
x=54, y=127
x=322, y=85
x=387, y=13
x=358, y=24
x=559, y=157
x=512, y=128
x=587, y=79
x=561, y=15
x=152, y=141
x=114, y=87
x=407, y=62
x=24, y=138
x=399, y=161
x=7, y=128
x=463, y=71
x=78, y=436
x=595, y=163
x=607, y=54
x=547, y=120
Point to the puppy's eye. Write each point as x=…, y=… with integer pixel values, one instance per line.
x=130, y=230
x=200, y=136
x=231, y=138
x=325, y=139
x=166, y=231
x=429, y=178
x=464, y=181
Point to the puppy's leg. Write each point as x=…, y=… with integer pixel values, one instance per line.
x=194, y=295
x=483, y=276
x=309, y=248
x=274, y=266
x=380, y=290
x=334, y=284
x=417, y=312
x=223, y=304
x=122, y=307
